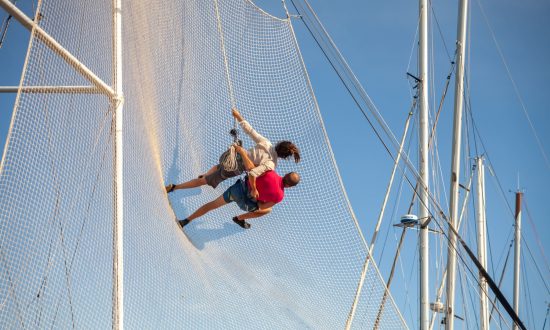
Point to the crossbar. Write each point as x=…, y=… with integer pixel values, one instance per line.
x=56, y=47
x=51, y=89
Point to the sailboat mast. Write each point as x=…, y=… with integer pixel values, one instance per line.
x=517, y=245
x=118, y=270
x=423, y=167
x=482, y=244
x=455, y=160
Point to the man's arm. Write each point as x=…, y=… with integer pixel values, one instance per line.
x=264, y=208
x=255, y=136
x=247, y=162
x=262, y=168
x=248, y=165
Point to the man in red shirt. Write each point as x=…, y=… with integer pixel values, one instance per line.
x=257, y=196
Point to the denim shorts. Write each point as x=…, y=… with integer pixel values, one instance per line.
x=238, y=193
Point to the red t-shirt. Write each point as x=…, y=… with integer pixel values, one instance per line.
x=270, y=187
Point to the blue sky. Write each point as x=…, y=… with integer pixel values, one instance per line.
x=378, y=40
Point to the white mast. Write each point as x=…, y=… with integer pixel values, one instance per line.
x=117, y=101
x=482, y=244
x=517, y=242
x=455, y=162
x=423, y=167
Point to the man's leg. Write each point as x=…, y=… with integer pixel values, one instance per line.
x=220, y=201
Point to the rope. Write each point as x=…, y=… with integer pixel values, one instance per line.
x=229, y=160
x=225, y=59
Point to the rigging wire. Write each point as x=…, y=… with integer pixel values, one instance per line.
x=340, y=75
x=5, y=26
x=463, y=278
x=407, y=289
x=491, y=166
x=546, y=318
x=413, y=46
x=390, y=135
x=528, y=306
x=503, y=302
x=439, y=30
x=524, y=241
x=535, y=231
x=397, y=198
x=504, y=266
x=501, y=278
x=516, y=89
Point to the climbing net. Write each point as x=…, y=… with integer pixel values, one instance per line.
x=185, y=64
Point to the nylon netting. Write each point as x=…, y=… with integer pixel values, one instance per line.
x=298, y=267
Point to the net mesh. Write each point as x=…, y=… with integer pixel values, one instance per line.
x=297, y=267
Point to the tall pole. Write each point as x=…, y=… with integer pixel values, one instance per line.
x=117, y=101
x=423, y=166
x=517, y=244
x=439, y=291
x=482, y=244
x=455, y=161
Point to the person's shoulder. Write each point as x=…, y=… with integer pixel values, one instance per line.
x=273, y=174
x=267, y=145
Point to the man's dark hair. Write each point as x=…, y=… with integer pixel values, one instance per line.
x=291, y=179
x=286, y=149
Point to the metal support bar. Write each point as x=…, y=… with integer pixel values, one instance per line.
x=482, y=244
x=439, y=292
x=56, y=47
x=118, y=225
x=51, y=89
x=455, y=162
x=517, y=254
x=423, y=166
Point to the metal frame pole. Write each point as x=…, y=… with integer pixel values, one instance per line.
x=517, y=255
x=482, y=244
x=118, y=265
x=51, y=89
x=439, y=292
x=423, y=193
x=455, y=162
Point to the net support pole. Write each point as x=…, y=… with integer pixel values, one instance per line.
x=118, y=226
x=423, y=192
x=517, y=255
x=56, y=47
x=455, y=162
x=482, y=244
